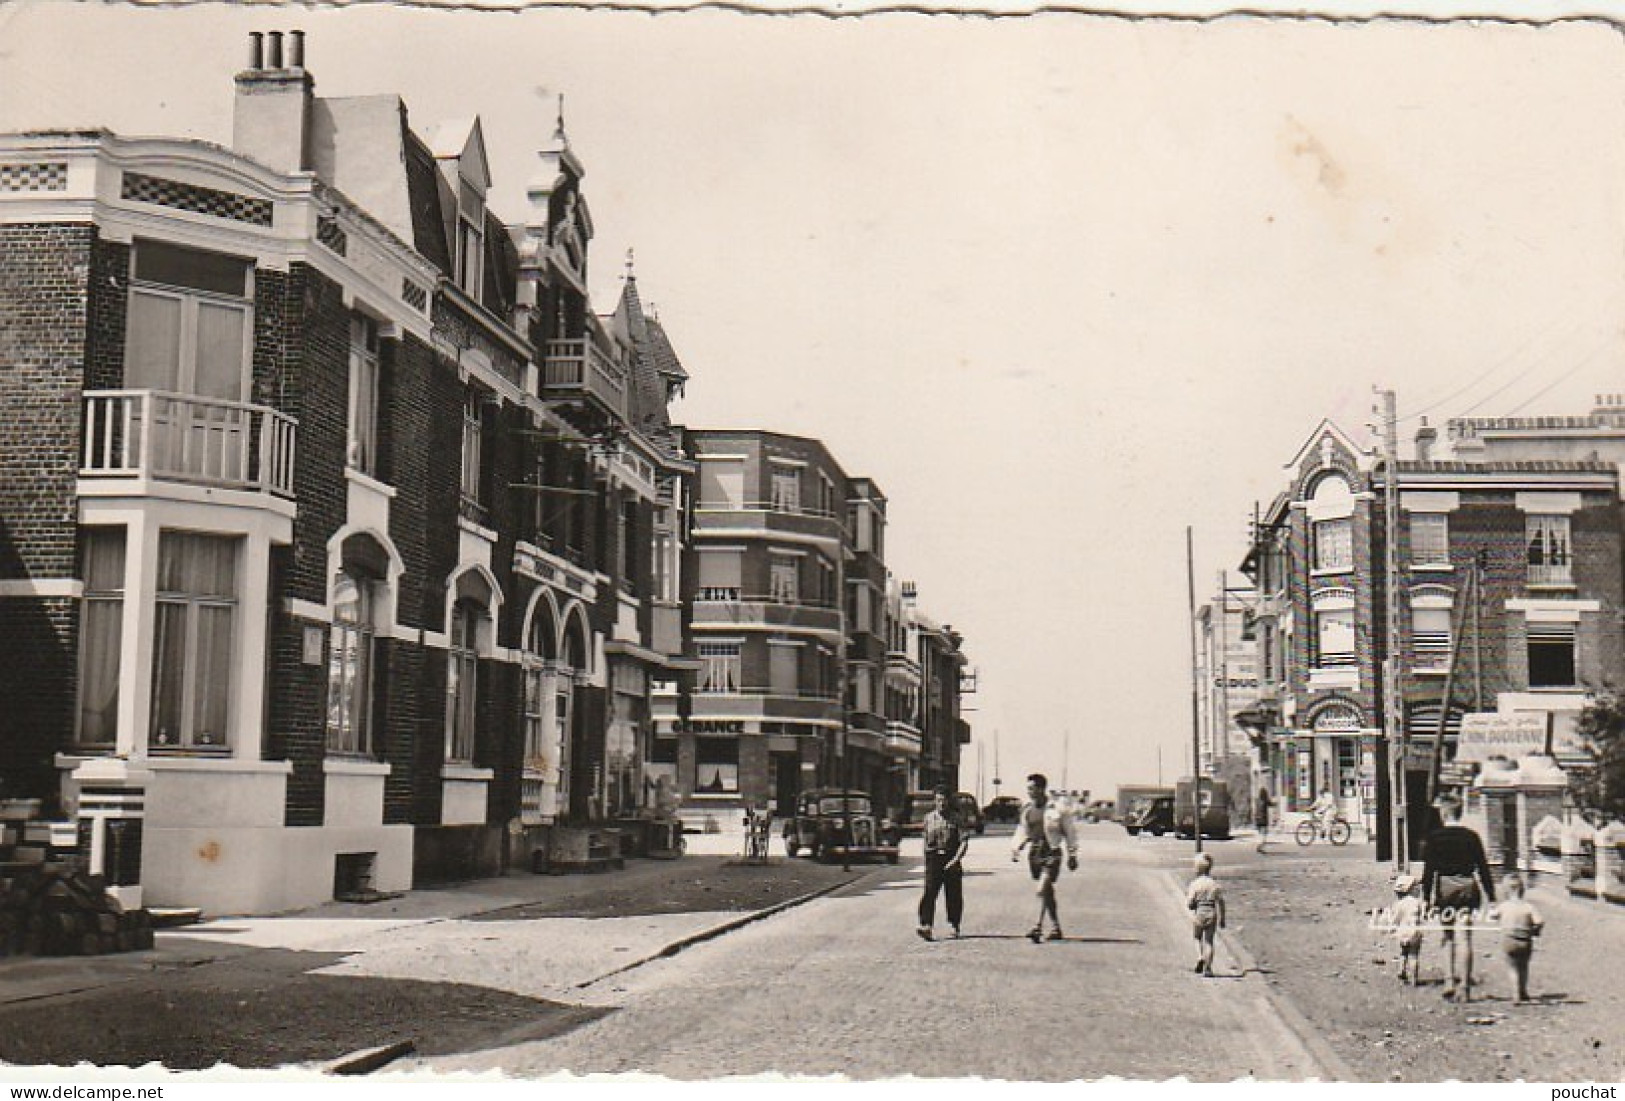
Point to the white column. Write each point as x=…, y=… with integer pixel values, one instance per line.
x=248, y=701
x=137, y=642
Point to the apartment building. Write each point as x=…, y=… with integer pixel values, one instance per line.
x=815, y=667
x=341, y=536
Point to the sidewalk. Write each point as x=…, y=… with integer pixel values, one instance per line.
x=1303, y=915
x=448, y=968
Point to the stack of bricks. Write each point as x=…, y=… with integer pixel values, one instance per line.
x=50, y=907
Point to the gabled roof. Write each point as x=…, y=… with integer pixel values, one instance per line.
x=463, y=140
x=1326, y=425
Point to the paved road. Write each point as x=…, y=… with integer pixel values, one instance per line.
x=842, y=985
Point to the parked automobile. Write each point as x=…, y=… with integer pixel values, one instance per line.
x=1004, y=808
x=916, y=806
x=1153, y=815
x=1100, y=810
x=831, y=823
x=970, y=815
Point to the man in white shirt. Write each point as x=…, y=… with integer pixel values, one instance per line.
x=1045, y=827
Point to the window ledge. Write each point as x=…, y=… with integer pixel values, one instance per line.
x=1338, y=571
x=1432, y=567
x=368, y=481
x=467, y=773
x=355, y=766
x=167, y=763
x=480, y=530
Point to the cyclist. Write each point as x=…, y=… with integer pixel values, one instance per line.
x=1325, y=810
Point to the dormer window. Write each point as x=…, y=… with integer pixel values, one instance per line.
x=470, y=258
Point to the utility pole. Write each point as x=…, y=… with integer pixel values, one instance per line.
x=1392, y=676
x=1196, y=708
x=1220, y=732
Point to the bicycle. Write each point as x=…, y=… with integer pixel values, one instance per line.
x=1310, y=829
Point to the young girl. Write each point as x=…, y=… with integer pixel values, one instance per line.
x=1205, y=900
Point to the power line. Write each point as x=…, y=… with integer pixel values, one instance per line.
x=1509, y=359
x=1595, y=352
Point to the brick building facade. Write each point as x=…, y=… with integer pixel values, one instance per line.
x=339, y=536
x=1510, y=566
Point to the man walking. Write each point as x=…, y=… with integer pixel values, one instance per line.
x=1454, y=865
x=945, y=845
x=1045, y=827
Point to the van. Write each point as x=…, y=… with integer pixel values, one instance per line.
x=1215, y=800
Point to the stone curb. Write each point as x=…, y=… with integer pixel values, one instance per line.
x=714, y=931
x=1330, y=1063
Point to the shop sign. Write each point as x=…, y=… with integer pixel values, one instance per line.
x=709, y=726
x=1489, y=734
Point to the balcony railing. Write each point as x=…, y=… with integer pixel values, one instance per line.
x=577, y=368
x=1551, y=573
x=728, y=605
x=184, y=438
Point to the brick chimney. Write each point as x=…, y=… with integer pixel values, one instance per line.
x=271, y=122
x=1426, y=437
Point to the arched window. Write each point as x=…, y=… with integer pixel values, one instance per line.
x=469, y=634
x=462, y=681
x=350, y=664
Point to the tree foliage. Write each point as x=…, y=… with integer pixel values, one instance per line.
x=1600, y=788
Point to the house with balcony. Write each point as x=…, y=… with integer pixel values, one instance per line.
x=1509, y=576
x=339, y=537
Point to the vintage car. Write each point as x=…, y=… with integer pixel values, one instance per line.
x=1006, y=808
x=831, y=823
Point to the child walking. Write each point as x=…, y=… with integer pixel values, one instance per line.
x=1520, y=923
x=1407, y=920
x=1205, y=900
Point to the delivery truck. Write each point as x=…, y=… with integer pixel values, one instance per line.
x=1215, y=808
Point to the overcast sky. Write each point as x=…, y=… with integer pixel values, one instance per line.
x=1062, y=285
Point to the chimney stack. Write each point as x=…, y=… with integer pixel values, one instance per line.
x=1425, y=439
x=271, y=120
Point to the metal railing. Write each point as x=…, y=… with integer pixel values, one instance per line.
x=185, y=438
x=1551, y=573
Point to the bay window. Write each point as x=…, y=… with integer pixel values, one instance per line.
x=101, y=634
x=193, y=642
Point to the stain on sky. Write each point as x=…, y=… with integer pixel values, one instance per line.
x=1305, y=146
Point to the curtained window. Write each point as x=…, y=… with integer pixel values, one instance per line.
x=101, y=634
x=193, y=640
x=350, y=666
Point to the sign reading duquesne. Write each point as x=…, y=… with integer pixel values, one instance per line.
x=1491, y=734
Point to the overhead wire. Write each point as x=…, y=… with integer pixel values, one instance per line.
x=1510, y=358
